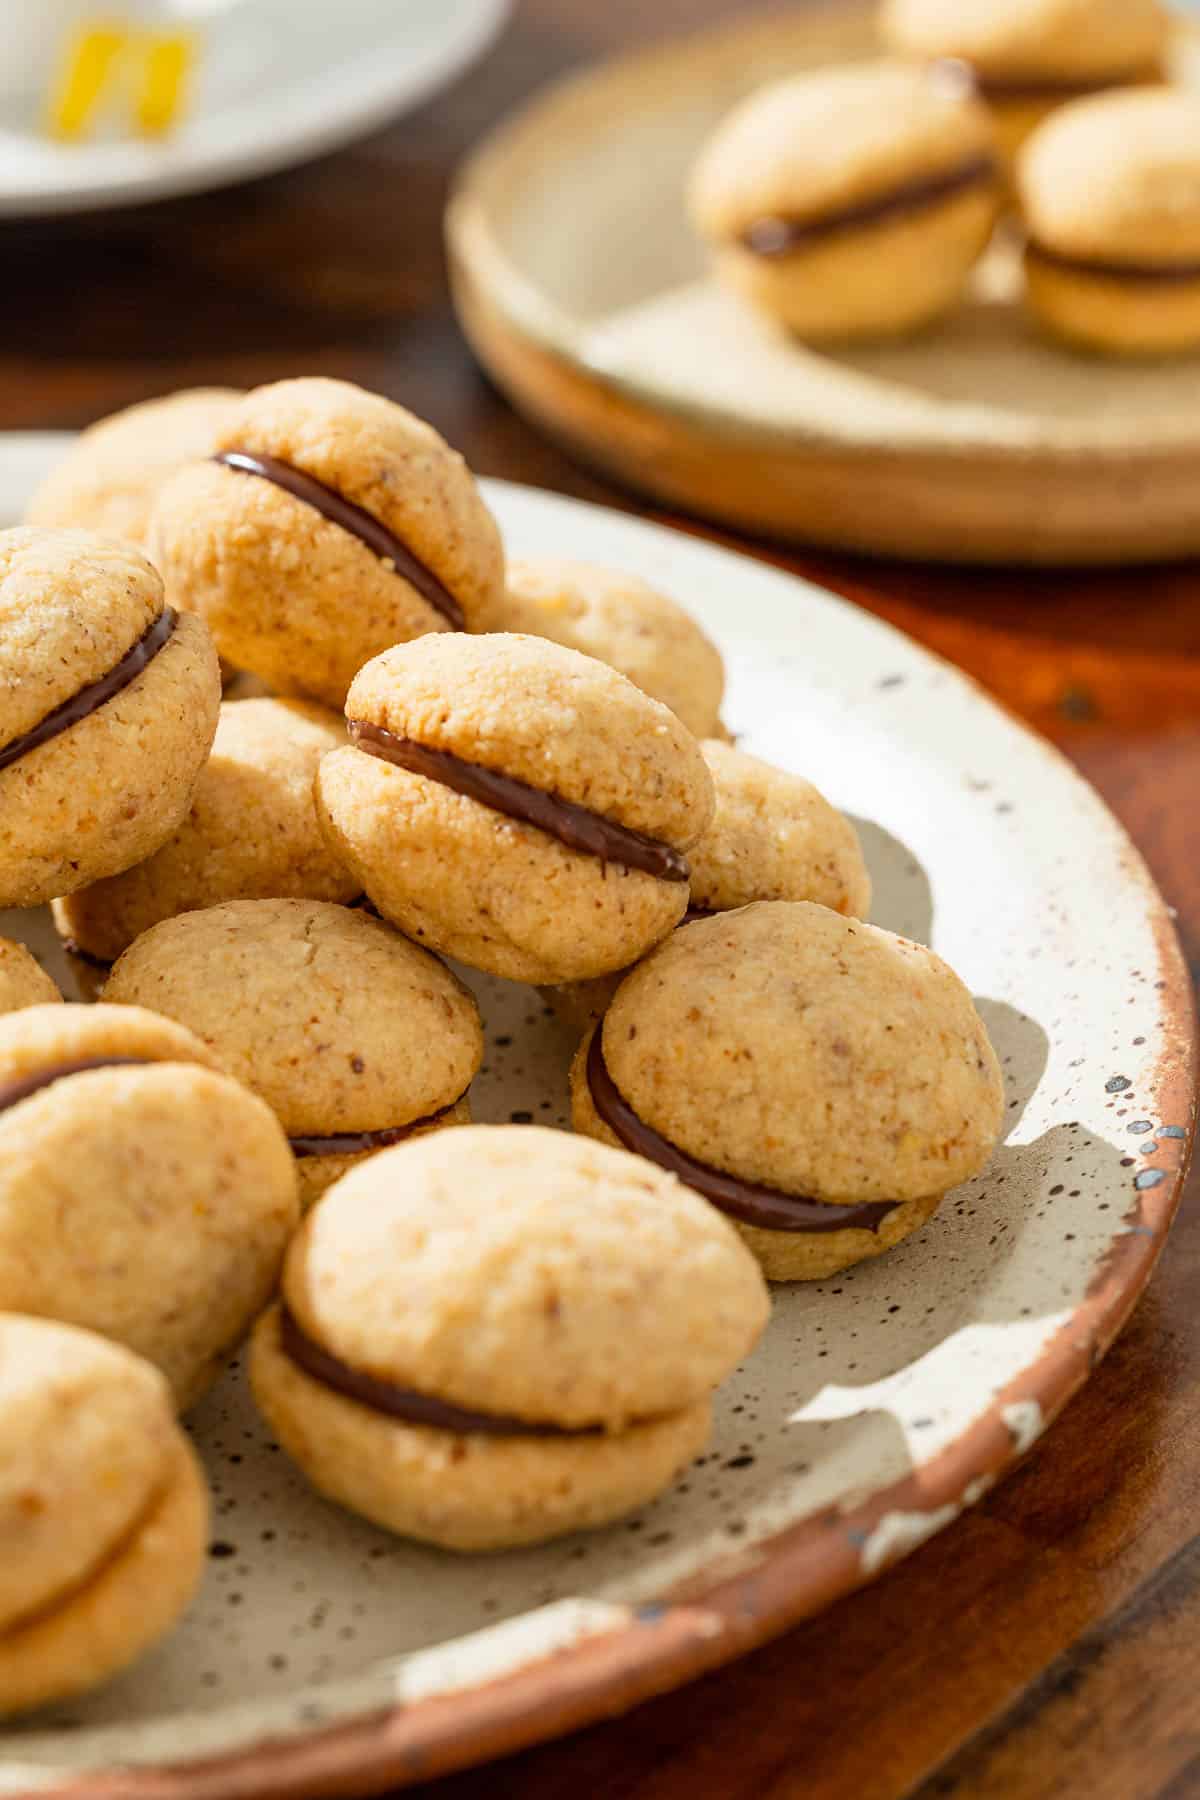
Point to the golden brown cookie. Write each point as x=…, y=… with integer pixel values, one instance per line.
x=329, y=524
x=251, y=833
x=822, y=1081
x=103, y=1511
x=23, y=981
x=850, y=202
x=355, y=1037
x=515, y=804
x=497, y=1335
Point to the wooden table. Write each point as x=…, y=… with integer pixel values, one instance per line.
x=1048, y=1644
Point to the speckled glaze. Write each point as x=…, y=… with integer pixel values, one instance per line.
x=325, y=1655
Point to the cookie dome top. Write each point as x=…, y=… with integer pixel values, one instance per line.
x=547, y=716
x=43, y=1037
x=807, y=147
x=525, y=1272
x=626, y=623
x=1049, y=38
x=1117, y=177
x=23, y=981
x=807, y=1052
x=338, y=1022
x=71, y=607
x=774, y=836
x=86, y=1439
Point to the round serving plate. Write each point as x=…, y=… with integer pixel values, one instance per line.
x=278, y=83
x=585, y=294
x=323, y=1656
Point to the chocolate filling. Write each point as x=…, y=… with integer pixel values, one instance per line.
x=1166, y=273
x=1051, y=87
x=91, y=698
x=699, y=912
x=349, y=1143
x=356, y=520
x=404, y=1403
x=777, y=235
x=768, y=1208
x=73, y=947
x=572, y=825
x=11, y=1092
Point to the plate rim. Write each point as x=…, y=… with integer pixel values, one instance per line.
x=296, y=142
x=751, y=1596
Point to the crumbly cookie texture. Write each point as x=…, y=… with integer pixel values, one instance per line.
x=103, y=1511
x=621, y=620
x=251, y=832
x=106, y=792
x=149, y=1200
x=474, y=883
x=292, y=596
x=824, y=143
x=23, y=981
x=773, y=836
x=341, y=1025
x=810, y=1054
x=109, y=479
x=539, y=1278
x=1063, y=39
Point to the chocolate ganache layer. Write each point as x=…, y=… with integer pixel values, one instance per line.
x=91, y=698
x=572, y=825
x=777, y=235
x=350, y=1143
x=770, y=1209
x=1016, y=87
x=1167, y=273
x=406, y=1404
x=352, y=518
x=11, y=1092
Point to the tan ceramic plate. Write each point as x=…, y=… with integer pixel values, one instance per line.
x=323, y=1656
x=582, y=290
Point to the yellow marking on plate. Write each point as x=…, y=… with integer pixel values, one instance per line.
x=87, y=68
x=166, y=62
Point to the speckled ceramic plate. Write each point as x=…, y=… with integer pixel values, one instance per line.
x=586, y=295
x=323, y=1656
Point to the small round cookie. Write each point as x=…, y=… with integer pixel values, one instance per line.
x=103, y=1512
x=328, y=524
x=773, y=836
x=501, y=1334
x=23, y=981
x=850, y=202
x=142, y=1194
x=108, y=705
x=821, y=1081
x=624, y=622
x=515, y=804
x=109, y=479
x=1027, y=57
x=1110, y=192
x=251, y=833
x=353, y=1036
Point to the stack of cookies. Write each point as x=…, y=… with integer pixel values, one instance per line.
x=475, y=1335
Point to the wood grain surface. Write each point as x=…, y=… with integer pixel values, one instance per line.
x=1048, y=1644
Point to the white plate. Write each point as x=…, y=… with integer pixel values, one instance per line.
x=883, y=1401
x=282, y=80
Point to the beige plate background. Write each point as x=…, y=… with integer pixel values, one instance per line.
x=323, y=1656
x=581, y=288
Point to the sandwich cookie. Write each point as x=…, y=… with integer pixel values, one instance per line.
x=773, y=836
x=355, y=1038
x=624, y=622
x=142, y=1194
x=251, y=833
x=23, y=981
x=850, y=202
x=328, y=524
x=1110, y=192
x=103, y=1512
x=820, y=1081
x=501, y=1334
x=109, y=479
x=108, y=705
x=515, y=804
x=1028, y=57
